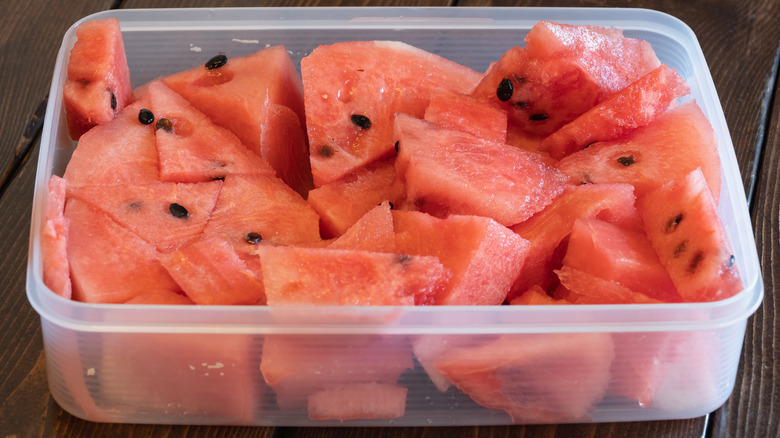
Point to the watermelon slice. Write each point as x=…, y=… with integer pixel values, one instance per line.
x=54, y=241
x=98, y=84
x=461, y=112
x=484, y=256
x=634, y=106
x=240, y=95
x=352, y=91
x=452, y=172
x=675, y=143
x=190, y=147
x=561, y=72
x=373, y=232
x=682, y=222
x=358, y=401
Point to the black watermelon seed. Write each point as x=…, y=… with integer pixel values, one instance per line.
x=145, y=116
x=695, y=261
x=113, y=101
x=135, y=205
x=538, y=117
x=731, y=261
x=253, y=238
x=164, y=124
x=397, y=146
x=626, y=161
x=505, y=90
x=679, y=249
x=361, y=121
x=216, y=62
x=673, y=223
x=178, y=211
x=403, y=259
x=326, y=151
x=392, y=206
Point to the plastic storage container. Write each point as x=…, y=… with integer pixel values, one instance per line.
x=202, y=365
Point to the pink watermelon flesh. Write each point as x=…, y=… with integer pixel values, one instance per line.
x=634, y=106
x=54, y=241
x=483, y=255
x=358, y=401
x=342, y=202
x=166, y=215
x=354, y=89
x=675, y=143
x=108, y=263
x=373, y=232
x=540, y=378
x=297, y=367
x=190, y=147
x=241, y=96
x=98, y=84
x=549, y=228
x=122, y=151
x=299, y=276
x=561, y=72
x=581, y=287
x=681, y=220
x=625, y=257
x=461, y=112
x=452, y=172
x=211, y=272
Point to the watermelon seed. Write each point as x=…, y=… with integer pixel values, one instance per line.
x=505, y=90
x=164, y=124
x=538, y=117
x=145, y=116
x=695, y=261
x=361, y=121
x=178, y=211
x=679, y=249
x=253, y=238
x=135, y=205
x=731, y=262
x=392, y=206
x=397, y=145
x=216, y=62
x=626, y=161
x=403, y=259
x=326, y=151
x=672, y=224
x=113, y=101
x=522, y=104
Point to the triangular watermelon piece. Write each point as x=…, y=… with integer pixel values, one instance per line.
x=54, y=241
x=372, y=232
x=190, y=147
x=352, y=92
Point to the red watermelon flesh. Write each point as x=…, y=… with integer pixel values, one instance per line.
x=166, y=215
x=342, y=202
x=373, y=232
x=297, y=367
x=54, y=241
x=561, y=72
x=549, y=228
x=190, y=147
x=211, y=272
x=240, y=96
x=300, y=276
x=265, y=206
x=581, y=287
x=540, y=378
x=108, y=263
x=461, y=112
x=634, y=106
x=354, y=89
x=626, y=257
x=452, y=172
x=358, y=401
x=681, y=220
x=98, y=84
x=119, y=152
x=483, y=255
x=675, y=143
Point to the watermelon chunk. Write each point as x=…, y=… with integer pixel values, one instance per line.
x=461, y=112
x=681, y=220
x=352, y=91
x=581, y=287
x=358, y=401
x=54, y=241
x=452, y=172
x=373, y=232
x=561, y=72
x=98, y=84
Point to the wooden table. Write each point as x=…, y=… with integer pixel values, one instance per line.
x=741, y=42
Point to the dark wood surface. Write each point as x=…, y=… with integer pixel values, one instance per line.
x=741, y=42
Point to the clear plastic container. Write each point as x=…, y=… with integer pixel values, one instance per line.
x=202, y=365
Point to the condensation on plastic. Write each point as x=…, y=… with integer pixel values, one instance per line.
x=201, y=365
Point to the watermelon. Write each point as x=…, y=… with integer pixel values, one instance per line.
x=358, y=401
x=54, y=241
x=352, y=92
x=160, y=297
x=681, y=220
x=98, y=84
x=634, y=106
x=581, y=287
x=562, y=71
x=372, y=232
x=241, y=95
x=675, y=143
x=452, y=110
x=535, y=296
x=483, y=255
x=453, y=172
